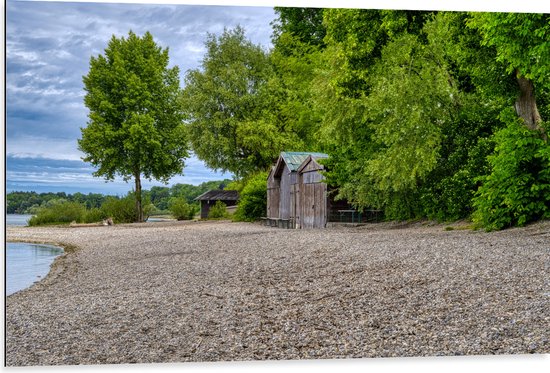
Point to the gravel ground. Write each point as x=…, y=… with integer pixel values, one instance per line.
x=210, y=291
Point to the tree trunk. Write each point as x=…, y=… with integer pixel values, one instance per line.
x=526, y=104
x=139, y=209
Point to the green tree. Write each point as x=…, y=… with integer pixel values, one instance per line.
x=371, y=94
x=306, y=24
x=290, y=102
x=226, y=102
x=135, y=126
x=521, y=43
x=160, y=196
x=407, y=108
x=252, y=203
x=517, y=191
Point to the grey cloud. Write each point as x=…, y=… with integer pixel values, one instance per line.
x=42, y=174
x=48, y=48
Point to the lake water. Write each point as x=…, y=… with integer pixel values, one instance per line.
x=17, y=219
x=22, y=220
x=27, y=263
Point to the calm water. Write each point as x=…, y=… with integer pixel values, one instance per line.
x=17, y=219
x=27, y=263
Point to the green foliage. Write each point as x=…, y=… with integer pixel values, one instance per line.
x=28, y=202
x=410, y=103
x=135, y=125
x=356, y=38
x=159, y=197
x=227, y=105
x=94, y=215
x=521, y=41
x=304, y=23
x=121, y=210
x=252, y=198
x=291, y=109
x=58, y=212
x=218, y=211
x=182, y=210
x=517, y=191
x=407, y=113
x=236, y=185
x=384, y=124
x=190, y=192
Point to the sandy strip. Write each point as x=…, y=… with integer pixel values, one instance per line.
x=209, y=291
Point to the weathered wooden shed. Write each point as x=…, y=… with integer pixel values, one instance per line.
x=282, y=188
x=208, y=199
x=316, y=202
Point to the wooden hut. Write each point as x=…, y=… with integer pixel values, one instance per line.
x=316, y=204
x=282, y=188
x=312, y=202
x=208, y=199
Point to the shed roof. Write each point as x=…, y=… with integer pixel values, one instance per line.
x=222, y=195
x=294, y=159
x=311, y=159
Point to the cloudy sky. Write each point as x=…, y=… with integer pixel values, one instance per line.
x=49, y=45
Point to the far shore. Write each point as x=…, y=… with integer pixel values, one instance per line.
x=216, y=291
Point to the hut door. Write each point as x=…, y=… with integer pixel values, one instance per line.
x=273, y=202
x=320, y=205
x=313, y=201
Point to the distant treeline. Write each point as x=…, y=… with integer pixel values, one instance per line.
x=29, y=202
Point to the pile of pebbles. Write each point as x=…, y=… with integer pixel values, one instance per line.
x=218, y=291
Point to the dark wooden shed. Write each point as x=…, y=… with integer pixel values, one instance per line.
x=208, y=199
x=283, y=193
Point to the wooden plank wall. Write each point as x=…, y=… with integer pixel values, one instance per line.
x=297, y=209
x=273, y=189
x=273, y=202
x=284, y=194
x=313, y=201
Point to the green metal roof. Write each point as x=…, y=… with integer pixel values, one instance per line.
x=294, y=159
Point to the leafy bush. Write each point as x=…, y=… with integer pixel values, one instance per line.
x=218, y=211
x=121, y=210
x=93, y=215
x=60, y=211
x=451, y=197
x=182, y=210
x=517, y=191
x=148, y=210
x=253, y=199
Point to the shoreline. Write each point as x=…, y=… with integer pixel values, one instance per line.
x=221, y=291
x=55, y=268
x=50, y=267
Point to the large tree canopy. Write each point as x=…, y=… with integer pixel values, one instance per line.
x=227, y=104
x=306, y=24
x=135, y=125
x=522, y=45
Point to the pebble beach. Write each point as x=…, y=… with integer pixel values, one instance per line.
x=222, y=291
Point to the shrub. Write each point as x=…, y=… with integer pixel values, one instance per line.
x=180, y=209
x=517, y=190
x=218, y=211
x=94, y=215
x=253, y=199
x=148, y=210
x=121, y=210
x=60, y=211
